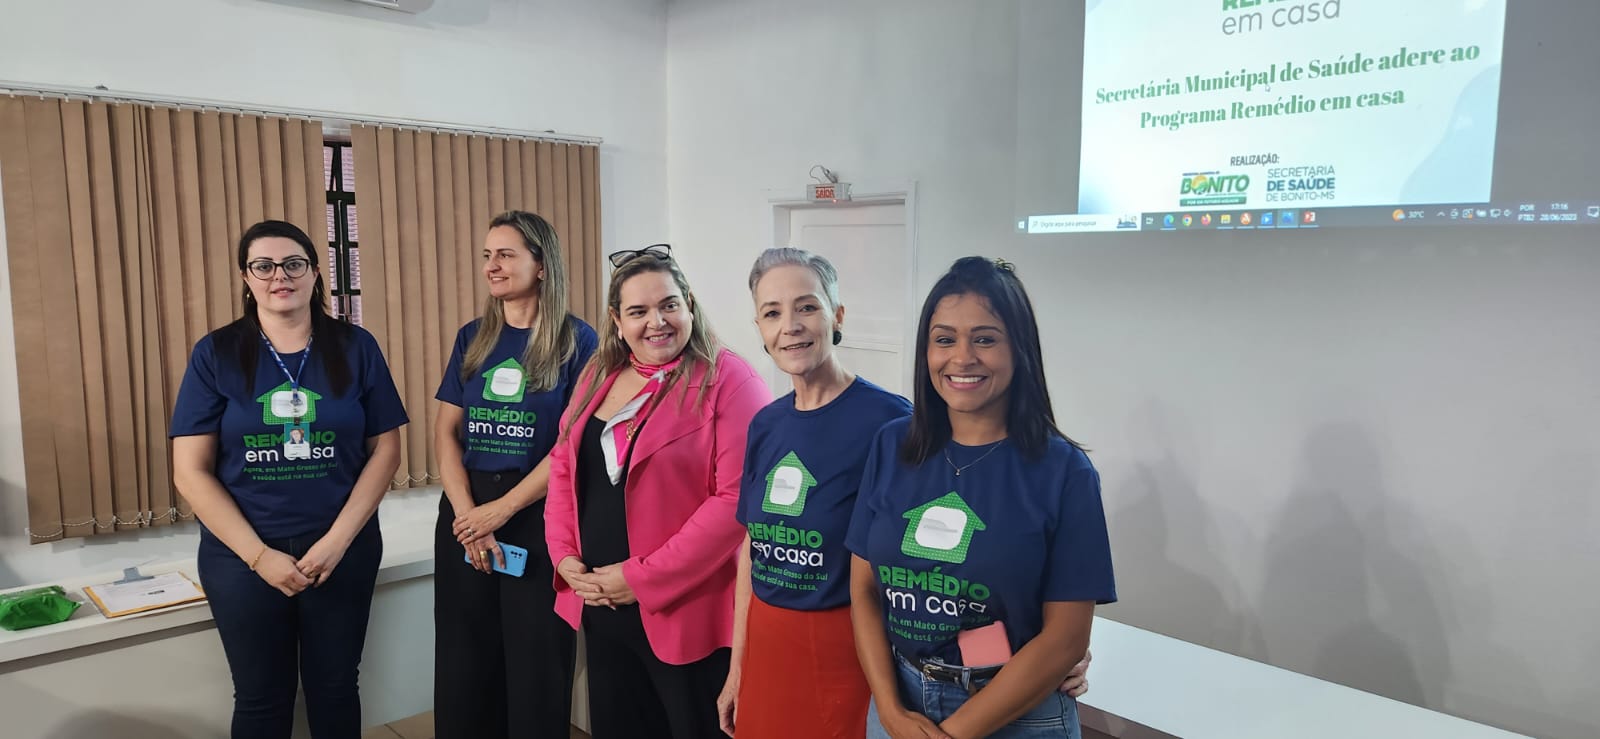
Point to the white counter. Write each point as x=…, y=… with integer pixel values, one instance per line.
x=162, y=674
x=1181, y=689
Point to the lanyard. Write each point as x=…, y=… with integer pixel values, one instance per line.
x=294, y=380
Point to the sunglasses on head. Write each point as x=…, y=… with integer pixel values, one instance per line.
x=659, y=251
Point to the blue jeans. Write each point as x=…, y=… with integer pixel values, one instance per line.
x=274, y=642
x=1055, y=716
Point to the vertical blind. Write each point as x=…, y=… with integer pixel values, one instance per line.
x=426, y=202
x=121, y=224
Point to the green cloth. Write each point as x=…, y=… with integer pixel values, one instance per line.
x=26, y=609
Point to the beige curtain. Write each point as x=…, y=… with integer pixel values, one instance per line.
x=121, y=223
x=425, y=202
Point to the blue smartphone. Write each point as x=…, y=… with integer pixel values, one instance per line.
x=516, y=560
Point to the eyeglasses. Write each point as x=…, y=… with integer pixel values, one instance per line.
x=659, y=251
x=293, y=267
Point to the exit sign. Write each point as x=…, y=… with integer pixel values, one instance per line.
x=832, y=192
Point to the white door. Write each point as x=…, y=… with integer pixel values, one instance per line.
x=867, y=243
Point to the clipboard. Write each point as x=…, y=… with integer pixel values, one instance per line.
x=147, y=594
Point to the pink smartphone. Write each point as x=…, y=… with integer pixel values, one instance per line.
x=986, y=645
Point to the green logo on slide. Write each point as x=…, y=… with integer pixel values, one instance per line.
x=1214, y=188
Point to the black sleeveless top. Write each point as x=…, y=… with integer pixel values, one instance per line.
x=602, y=513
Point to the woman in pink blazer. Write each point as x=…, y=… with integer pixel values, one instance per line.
x=640, y=515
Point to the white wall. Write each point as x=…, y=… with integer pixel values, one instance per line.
x=592, y=67
x=1364, y=455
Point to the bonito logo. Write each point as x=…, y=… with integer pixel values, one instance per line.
x=1213, y=188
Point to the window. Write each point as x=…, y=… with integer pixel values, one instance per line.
x=344, y=254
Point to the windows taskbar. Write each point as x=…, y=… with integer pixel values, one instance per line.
x=1257, y=219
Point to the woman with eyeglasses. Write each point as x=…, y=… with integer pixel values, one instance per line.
x=979, y=540
x=289, y=545
x=502, y=659
x=640, y=518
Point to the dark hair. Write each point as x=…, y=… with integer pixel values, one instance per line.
x=242, y=338
x=1030, y=421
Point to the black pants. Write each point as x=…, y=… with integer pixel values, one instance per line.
x=502, y=658
x=273, y=641
x=634, y=695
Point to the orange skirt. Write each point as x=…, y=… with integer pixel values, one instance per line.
x=801, y=677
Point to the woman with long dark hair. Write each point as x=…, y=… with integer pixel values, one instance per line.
x=979, y=539
x=284, y=441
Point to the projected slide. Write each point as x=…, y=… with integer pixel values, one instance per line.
x=1295, y=104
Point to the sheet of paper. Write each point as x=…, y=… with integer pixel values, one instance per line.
x=161, y=590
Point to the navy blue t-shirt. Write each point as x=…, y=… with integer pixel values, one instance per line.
x=288, y=478
x=993, y=544
x=801, y=473
x=508, y=427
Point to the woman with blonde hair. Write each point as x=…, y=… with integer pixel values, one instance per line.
x=502, y=660
x=640, y=519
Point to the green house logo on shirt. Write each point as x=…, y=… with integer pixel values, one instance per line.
x=504, y=382
x=941, y=530
x=278, y=405
x=787, y=486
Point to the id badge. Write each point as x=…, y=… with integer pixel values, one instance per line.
x=296, y=441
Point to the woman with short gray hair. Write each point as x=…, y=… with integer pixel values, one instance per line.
x=802, y=466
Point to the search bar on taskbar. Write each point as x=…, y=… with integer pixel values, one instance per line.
x=1082, y=223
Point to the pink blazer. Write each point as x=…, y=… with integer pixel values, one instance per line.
x=681, y=492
